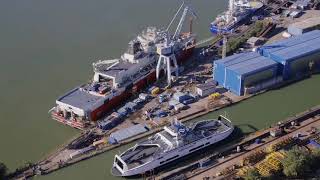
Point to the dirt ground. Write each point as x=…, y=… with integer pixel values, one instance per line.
x=285, y=22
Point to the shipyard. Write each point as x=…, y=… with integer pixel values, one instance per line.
x=147, y=107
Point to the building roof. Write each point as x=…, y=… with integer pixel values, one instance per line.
x=237, y=58
x=253, y=65
x=114, y=70
x=126, y=133
x=282, y=44
x=206, y=86
x=79, y=98
x=294, y=47
x=253, y=40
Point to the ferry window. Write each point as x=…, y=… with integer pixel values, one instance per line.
x=172, y=158
x=196, y=148
x=119, y=163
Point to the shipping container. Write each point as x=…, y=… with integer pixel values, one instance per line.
x=180, y=106
x=188, y=101
x=206, y=89
x=180, y=97
x=144, y=96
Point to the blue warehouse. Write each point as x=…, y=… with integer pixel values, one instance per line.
x=283, y=60
x=297, y=56
x=241, y=72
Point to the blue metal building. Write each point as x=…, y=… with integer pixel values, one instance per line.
x=297, y=55
x=241, y=71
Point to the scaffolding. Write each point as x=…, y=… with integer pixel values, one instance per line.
x=271, y=164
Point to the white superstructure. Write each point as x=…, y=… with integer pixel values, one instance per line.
x=173, y=142
x=237, y=11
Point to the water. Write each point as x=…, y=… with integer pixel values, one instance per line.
x=47, y=47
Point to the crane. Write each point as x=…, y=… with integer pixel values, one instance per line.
x=167, y=60
x=187, y=9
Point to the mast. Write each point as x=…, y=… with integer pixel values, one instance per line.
x=230, y=11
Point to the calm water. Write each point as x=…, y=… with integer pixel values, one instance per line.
x=47, y=47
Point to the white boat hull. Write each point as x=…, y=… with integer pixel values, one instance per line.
x=172, y=155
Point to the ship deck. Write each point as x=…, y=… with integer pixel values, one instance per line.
x=148, y=150
x=79, y=98
x=140, y=155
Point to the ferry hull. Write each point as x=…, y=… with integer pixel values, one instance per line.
x=172, y=156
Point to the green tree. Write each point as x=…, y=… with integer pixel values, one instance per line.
x=296, y=163
x=3, y=170
x=252, y=174
x=315, y=158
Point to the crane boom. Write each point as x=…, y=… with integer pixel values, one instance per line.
x=179, y=27
x=175, y=16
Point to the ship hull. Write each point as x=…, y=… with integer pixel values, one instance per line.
x=112, y=103
x=139, y=85
x=172, y=155
x=215, y=29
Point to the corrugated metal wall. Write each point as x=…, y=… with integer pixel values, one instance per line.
x=295, y=53
x=248, y=68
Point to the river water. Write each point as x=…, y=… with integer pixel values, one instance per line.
x=47, y=47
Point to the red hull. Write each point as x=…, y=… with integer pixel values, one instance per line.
x=73, y=123
x=109, y=106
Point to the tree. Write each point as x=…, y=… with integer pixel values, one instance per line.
x=3, y=170
x=252, y=174
x=296, y=163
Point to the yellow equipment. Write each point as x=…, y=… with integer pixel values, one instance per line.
x=155, y=91
x=215, y=96
x=100, y=142
x=271, y=164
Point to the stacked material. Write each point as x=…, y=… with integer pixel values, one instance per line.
x=271, y=165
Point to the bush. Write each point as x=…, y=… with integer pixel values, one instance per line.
x=296, y=163
x=252, y=174
x=235, y=43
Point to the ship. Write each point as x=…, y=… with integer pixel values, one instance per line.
x=174, y=142
x=116, y=80
x=238, y=10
